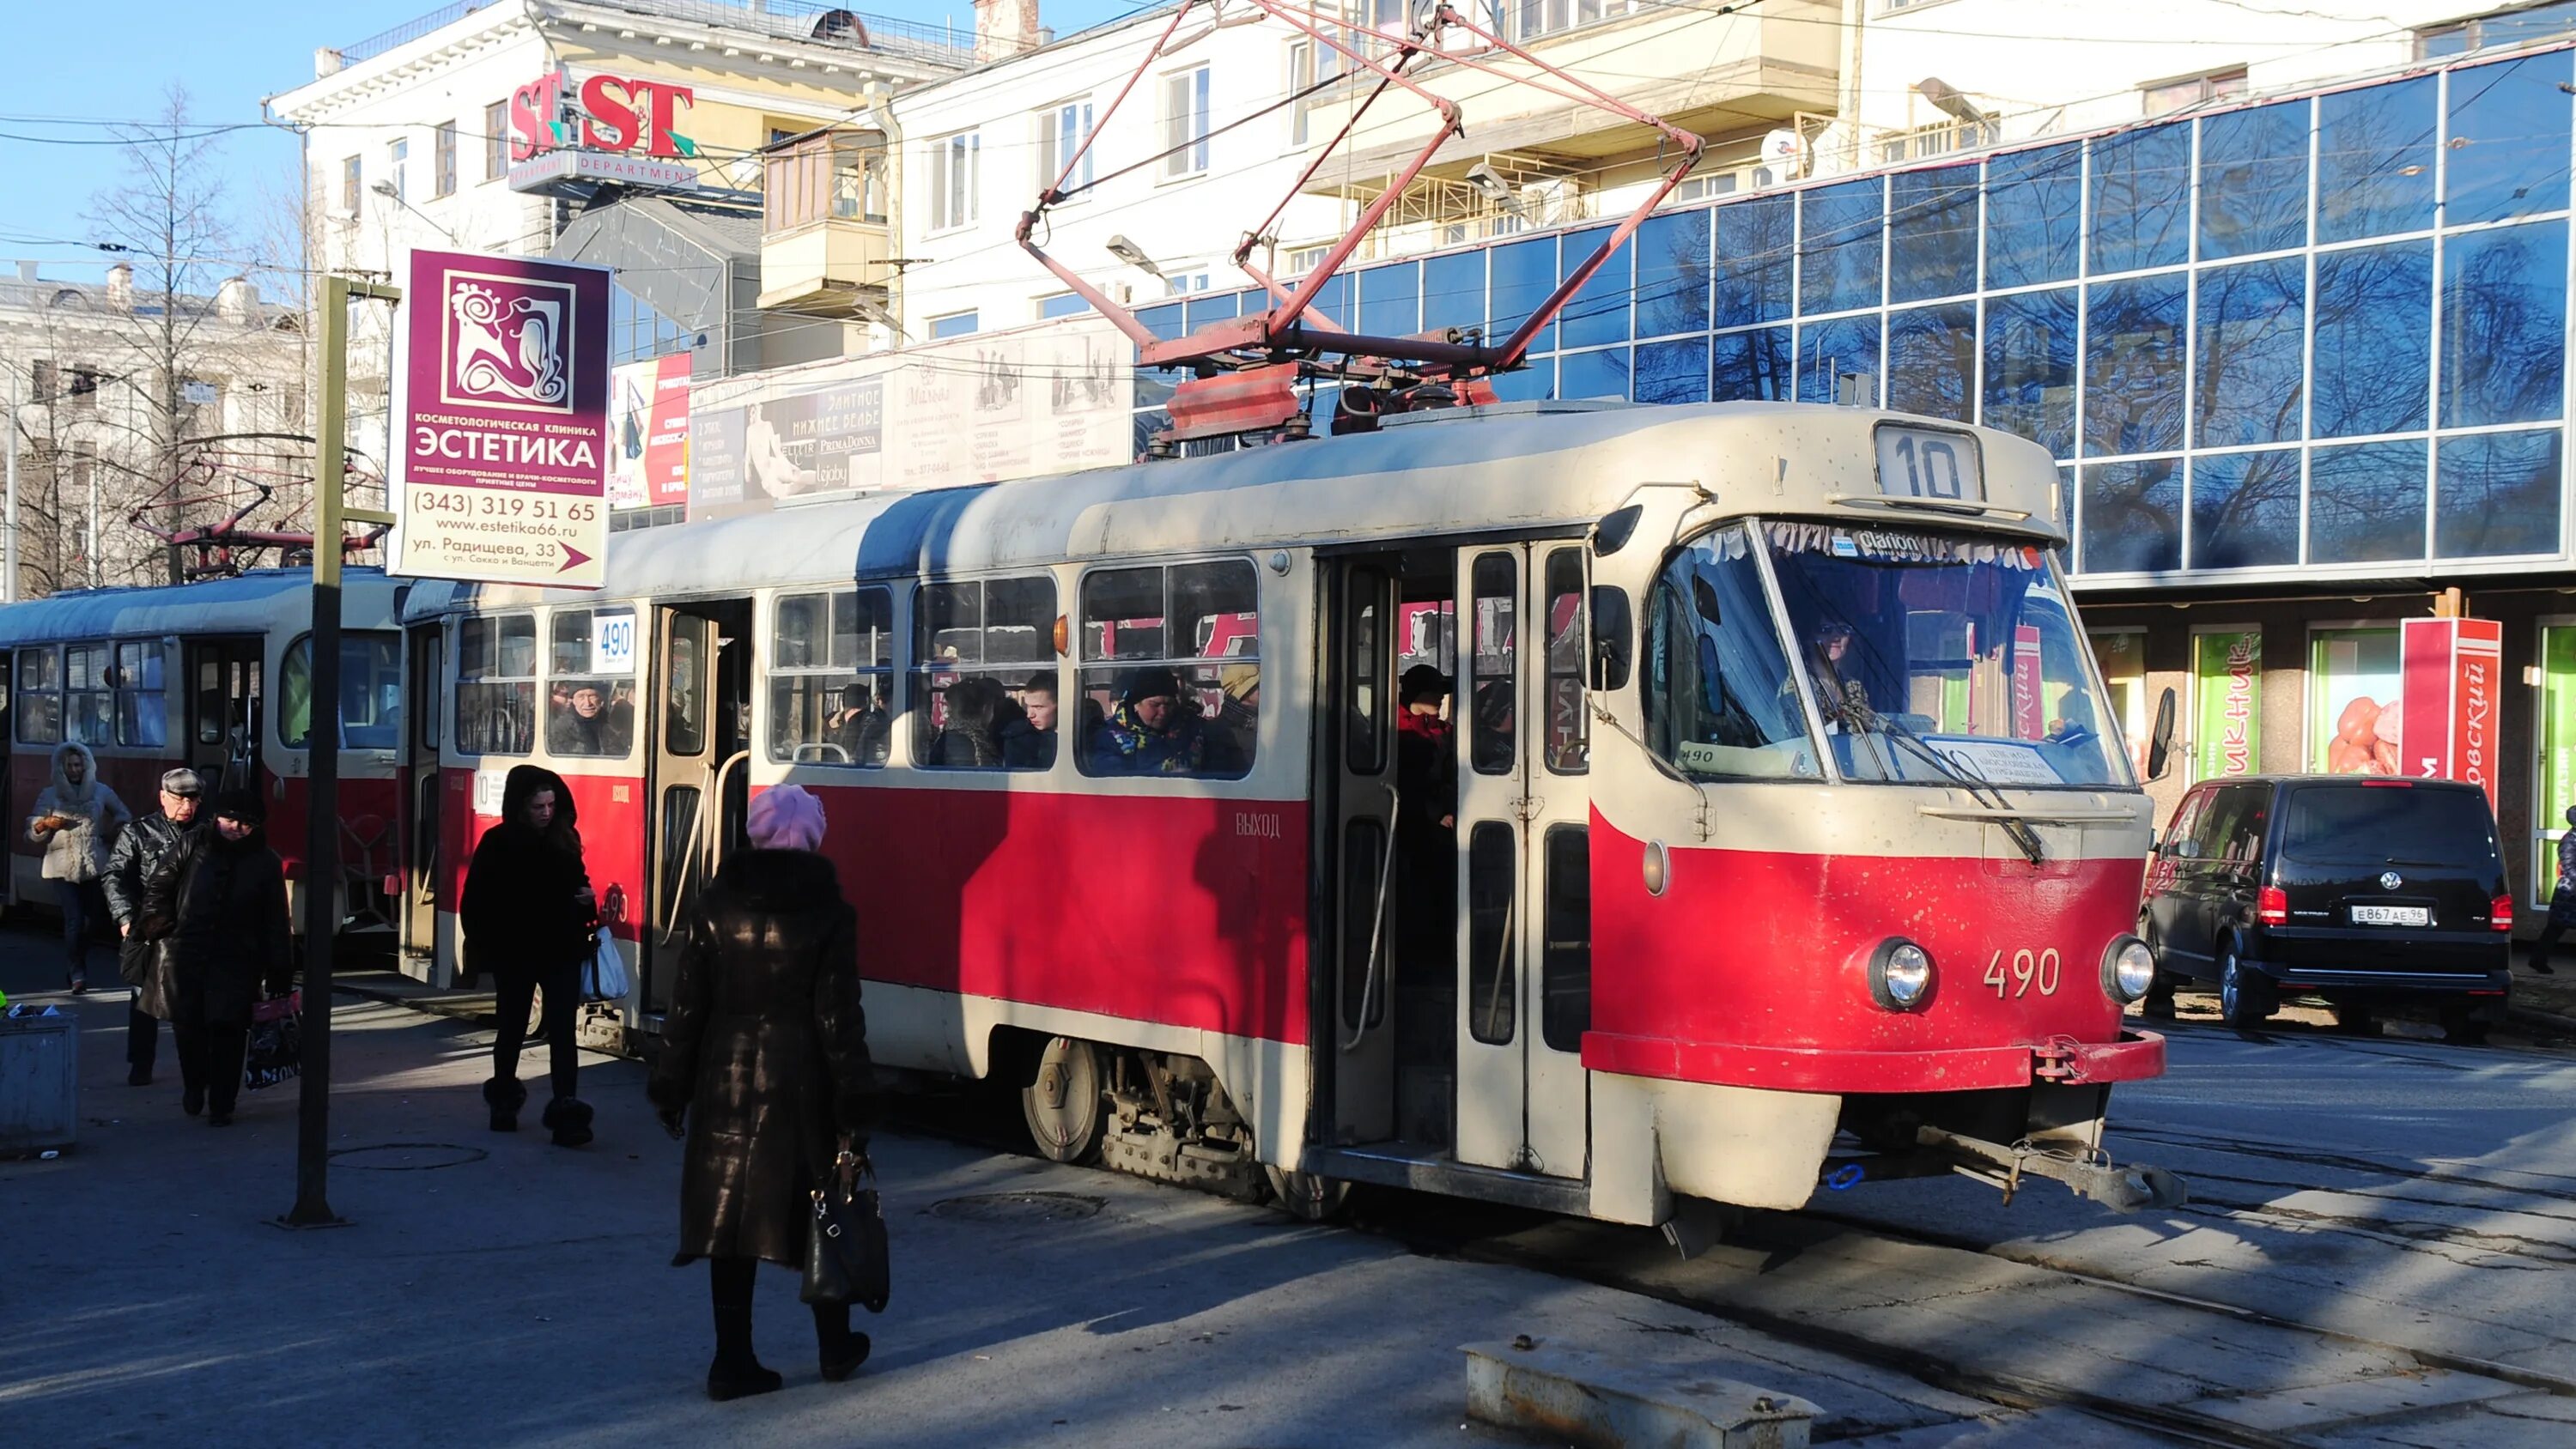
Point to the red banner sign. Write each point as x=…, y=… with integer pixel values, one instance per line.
x=612, y=114
x=2448, y=725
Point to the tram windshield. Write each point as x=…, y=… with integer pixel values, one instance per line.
x=1929, y=657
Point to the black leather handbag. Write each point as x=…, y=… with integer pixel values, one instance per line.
x=845, y=1245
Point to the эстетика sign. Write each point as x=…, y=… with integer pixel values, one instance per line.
x=502, y=459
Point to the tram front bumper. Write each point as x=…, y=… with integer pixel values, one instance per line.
x=2059, y=1060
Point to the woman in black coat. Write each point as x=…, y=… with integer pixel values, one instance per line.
x=765, y=1060
x=528, y=915
x=221, y=897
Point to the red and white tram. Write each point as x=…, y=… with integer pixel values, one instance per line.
x=1783, y=827
x=215, y=675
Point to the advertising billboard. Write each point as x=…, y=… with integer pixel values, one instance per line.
x=502, y=459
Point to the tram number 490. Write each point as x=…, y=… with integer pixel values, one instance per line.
x=2025, y=971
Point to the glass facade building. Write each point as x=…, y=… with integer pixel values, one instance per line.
x=2319, y=337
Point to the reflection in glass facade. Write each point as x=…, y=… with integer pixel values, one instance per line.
x=2328, y=331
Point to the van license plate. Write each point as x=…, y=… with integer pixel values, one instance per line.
x=2390, y=915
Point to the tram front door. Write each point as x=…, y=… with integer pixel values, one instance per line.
x=699, y=785
x=1524, y=866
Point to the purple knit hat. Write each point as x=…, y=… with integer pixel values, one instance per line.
x=786, y=818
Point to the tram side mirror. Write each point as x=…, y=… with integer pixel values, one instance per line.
x=2160, y=744
x=1611, y=631
x=1616, y=527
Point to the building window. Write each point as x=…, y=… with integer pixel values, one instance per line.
x=496, y=140
x=1062, y=304
x=1312, y=66
x=1061, y=132
x=955, y=324
x=956, y=173
x=352, y=181
x=2511, y=27
x=637, y=332
x=398, y=162
x=2174, y=95
x=1532, y=18
x=444, y=158
x=1185, y=123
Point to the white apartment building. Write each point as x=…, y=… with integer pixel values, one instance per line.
x=81, y=370
x=1204, y=149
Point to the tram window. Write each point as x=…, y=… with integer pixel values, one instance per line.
x=1493, y=667
x=1363, y=876
x=684, y=697
x=1366, y=716
x=984, y=678
x=831, y=678
x=1720, y=700
x=142, y=697
x=89, y=704
x=40, y=696
x=496, y=685
x=590, y=683
x=1171, y=683
x=1569, y=638
x=1565, y=963
x=370, y=691
x=1493, y=940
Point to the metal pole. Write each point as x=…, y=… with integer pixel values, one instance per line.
x=96, y=575
x=9, y=567
x=322, y=813
x=322, y=806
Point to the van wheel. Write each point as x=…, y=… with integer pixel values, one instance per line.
x=2356, y=1020
x=2245, y=999
x=2462, y=1026
x=1064, y=1102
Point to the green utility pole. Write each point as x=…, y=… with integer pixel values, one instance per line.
x=322, y=816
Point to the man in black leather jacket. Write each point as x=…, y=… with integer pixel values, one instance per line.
x=147, y=846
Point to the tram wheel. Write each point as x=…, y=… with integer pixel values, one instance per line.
x=2245, y=999
x=1308, y=1197
x=1064, y=1102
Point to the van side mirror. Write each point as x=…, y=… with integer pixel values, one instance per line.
x=1612, y=631
x=2160, y=744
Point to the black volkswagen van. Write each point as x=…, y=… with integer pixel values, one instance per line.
x=2360, y=889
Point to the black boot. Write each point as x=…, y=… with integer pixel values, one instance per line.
x=505, y=1097
x=842, y=1351
x=569, y=1119
x=737, y=1372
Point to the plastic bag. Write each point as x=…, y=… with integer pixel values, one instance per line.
x=276, y=1048
x=603, y=976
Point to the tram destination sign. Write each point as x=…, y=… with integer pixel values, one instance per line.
x=503, y=400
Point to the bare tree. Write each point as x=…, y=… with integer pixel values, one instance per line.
x=166, y=222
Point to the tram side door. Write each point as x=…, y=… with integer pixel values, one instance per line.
x=1524, y=869
x=699, y=785
x=1360, y=1030
x=422, y=792
x=224, y=711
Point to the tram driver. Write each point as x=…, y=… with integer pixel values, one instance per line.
x=1842, y=700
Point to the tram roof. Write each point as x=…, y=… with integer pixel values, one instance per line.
x=1503, y=468
x=245, y=604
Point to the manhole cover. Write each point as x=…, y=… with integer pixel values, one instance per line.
x=407, y=1156
x=1020, y=1207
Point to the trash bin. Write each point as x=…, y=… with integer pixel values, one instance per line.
x=39, y=1079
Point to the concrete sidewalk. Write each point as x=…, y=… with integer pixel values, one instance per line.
x=495, y=1289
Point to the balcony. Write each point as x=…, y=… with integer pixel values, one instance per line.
x=825, y=245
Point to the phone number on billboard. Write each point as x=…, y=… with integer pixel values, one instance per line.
x=492, y=505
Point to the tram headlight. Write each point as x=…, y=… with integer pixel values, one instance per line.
x=2128, y=969
x=1900, y=975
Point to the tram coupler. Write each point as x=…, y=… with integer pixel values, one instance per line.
x=2090, y=1173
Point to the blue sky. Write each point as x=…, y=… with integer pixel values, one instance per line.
x=67, y=61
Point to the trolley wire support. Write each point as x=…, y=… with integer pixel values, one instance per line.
x=1284, y=343
x=322, y=873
